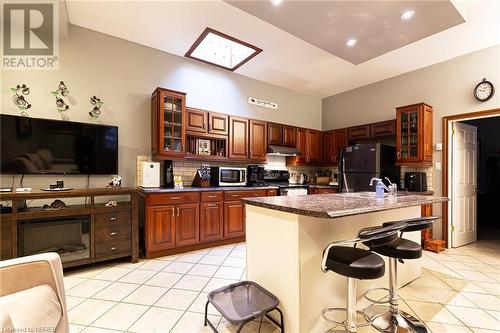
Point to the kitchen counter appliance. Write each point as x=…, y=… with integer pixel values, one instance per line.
x=281, y=178
x=416, y=181
x=228, y=176
x=255, y=176
x=362, y=162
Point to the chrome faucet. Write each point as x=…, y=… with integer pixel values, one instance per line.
x=393, y=188
x=374, y=179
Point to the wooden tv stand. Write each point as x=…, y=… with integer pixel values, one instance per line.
x=113, y=230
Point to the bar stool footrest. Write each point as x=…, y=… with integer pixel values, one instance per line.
x=384, y=300
x=364, y=316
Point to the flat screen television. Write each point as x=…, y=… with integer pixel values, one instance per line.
x=43, y=146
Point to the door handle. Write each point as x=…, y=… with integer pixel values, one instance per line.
x=212, y=205
x=173, y=212
x=112, y=218
x=113, y=248
x=113, y=234
x=177, y=211
x=175, y=198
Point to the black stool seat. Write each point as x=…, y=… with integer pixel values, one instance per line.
x=355, y=263
x=400, y=248
x=415, y=224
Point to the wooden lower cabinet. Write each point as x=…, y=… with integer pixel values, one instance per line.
x=187, y=224
x=234, y=219
x=211, y=221
x=160, y=228
x=176, y=222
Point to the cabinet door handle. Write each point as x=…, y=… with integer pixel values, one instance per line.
x=177, y=211
x=235, y=195
x=212, y=205
x=251, y=153
x=113, y=248
x=112, y=218
x=399, y=154
x=212, y=196
x=173, y=211
x=175, y=198
x=113, y=234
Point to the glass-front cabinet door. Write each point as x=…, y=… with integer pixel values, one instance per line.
x=170, y=123
x=414, y=135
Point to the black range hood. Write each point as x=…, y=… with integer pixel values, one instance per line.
x=283, y=151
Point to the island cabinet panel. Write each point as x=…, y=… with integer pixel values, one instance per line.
x=275, y=134
x=160, y=227
x=414, y=135
x=218, y=123
x=187, y=224
x=234, y=219
x=211, y=221
x=289, y=136
x=238, y=138
x=196, y=120
x=258, y=140
x=272, y=193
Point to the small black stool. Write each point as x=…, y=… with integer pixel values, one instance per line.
x=393, y=319
x=241, y=302
x=356, y=264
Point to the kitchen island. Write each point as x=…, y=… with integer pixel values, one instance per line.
x=286, y=236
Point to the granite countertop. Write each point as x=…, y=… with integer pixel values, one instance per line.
x=203, y=189
x=341, y=204
x=322, y=186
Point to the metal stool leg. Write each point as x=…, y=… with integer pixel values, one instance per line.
x=395, y=320
x=351, y=323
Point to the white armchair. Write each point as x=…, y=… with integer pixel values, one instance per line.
x=32, y=295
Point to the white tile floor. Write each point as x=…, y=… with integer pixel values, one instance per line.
x=459, y=291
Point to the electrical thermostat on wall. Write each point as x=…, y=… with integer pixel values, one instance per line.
x=263, y=103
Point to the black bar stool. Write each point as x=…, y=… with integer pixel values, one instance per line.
x=357, y=264
x=393, y=319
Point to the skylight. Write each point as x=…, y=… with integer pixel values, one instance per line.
x=221, y=50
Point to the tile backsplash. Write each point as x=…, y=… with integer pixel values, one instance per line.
x=187, y=169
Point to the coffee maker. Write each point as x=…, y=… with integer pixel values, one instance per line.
x=416, y=181
x=255, y=176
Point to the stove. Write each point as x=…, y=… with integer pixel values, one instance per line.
x=280, y=178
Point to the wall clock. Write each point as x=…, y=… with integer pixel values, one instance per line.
x=484, y=90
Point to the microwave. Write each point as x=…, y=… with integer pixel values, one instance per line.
x=227, y=176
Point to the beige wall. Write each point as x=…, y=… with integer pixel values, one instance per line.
x=446, y=86
x=124, y=74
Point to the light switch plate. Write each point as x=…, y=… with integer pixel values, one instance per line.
x=437, y=166
x=439, y=146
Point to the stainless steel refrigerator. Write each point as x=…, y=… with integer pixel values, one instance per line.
x=360, y=163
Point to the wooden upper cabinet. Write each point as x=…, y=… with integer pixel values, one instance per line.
x=328, y=144
x=258, y=140
x=414, y=135
x=168, y=124
x=238, y=138
x=301, y=145
x=187, y=224
x=358, y=133
x=196, y=120
x=383, y=129
x=275, y=134
x=218, y=123
x=160, y=227
x=334, y=141
x=314, y=147
x=289, y=136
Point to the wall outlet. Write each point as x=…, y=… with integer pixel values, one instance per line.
x=439, y=146
x=437, y=166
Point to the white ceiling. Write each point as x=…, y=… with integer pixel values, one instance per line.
x=287, y=61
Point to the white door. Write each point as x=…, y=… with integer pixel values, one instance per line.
x=464, y=184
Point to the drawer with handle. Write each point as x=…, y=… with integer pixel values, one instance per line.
x=112, y=218
x=112, y=248
x=173, y=198
x=117, y=232
x=235, y=195
x=212, y=196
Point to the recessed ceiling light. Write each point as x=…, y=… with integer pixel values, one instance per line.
x=276, y=2
x=221, y=50
x=351, y=42
x=407, y=14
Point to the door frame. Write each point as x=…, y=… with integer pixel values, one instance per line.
x=446, y=158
